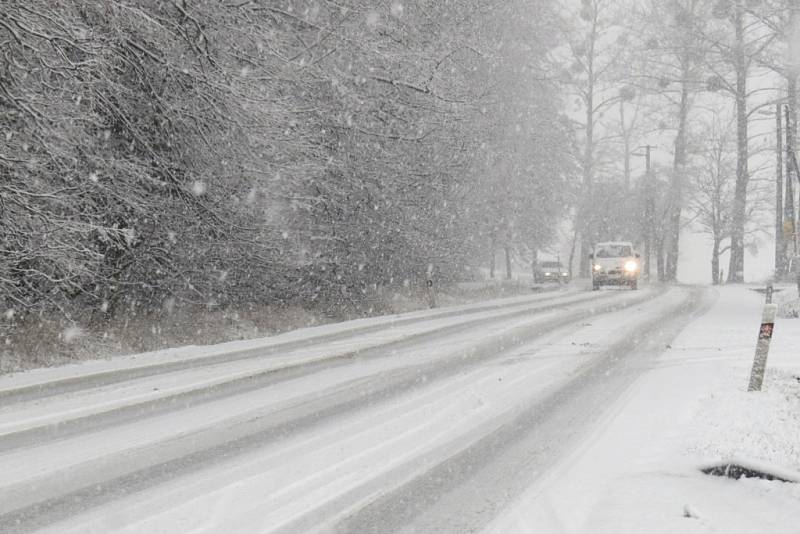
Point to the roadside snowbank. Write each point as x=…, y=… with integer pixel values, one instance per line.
x=765, y=425
x=50, y=342
x=640, y=472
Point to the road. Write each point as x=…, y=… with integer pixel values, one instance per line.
x=426, y=422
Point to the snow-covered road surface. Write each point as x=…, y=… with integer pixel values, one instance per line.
x=431, y=422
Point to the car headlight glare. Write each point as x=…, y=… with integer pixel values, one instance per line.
x=598, y=268
x=631, y=266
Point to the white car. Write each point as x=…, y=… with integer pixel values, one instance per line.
x=615, y=263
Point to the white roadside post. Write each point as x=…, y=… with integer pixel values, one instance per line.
x=429, y=287
x=762, y=347
x=431, y=293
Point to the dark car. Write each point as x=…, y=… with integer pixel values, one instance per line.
x=550, y=271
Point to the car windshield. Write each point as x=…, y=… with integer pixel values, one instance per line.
x=551, y=265
x=613, y=251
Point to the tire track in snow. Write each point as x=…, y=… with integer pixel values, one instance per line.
x=466, y=491
x=67, y=426
x=139, y=471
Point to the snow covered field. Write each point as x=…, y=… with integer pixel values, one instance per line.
x=565, y=412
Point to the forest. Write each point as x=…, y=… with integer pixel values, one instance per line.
x=163, y=154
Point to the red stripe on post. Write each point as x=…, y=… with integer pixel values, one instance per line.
x=762, y=347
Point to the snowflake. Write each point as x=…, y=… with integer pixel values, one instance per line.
x=72, y=334
x=397, y=8
x=372, y=19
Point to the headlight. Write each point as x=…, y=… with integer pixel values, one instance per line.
x=631, y=266
x=564, y=274
x=547, y=274
x=598, y=268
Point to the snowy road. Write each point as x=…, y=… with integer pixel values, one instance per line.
x=431, y=422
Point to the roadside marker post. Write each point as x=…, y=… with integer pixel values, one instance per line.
x=762, y=347
x=431, y=293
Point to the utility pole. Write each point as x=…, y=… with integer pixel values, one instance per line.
x=649, y=209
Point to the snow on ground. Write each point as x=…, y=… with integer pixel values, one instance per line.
x=640, y=471
x=637, y=471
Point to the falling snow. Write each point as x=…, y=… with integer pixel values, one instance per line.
x=300, y=265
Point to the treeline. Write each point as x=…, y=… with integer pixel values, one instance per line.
x=705, y=86
x=232, y=152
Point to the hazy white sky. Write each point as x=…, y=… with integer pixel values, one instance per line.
x=694, y=265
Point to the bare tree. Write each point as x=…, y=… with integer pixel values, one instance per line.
x=736, y=45
x=670, y=67
x=227, y=153
x=713, y=188
x=594, y=49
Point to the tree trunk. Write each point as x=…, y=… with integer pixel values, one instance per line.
x=660, y=264
x=678, y=171
x=492, y=260
x=780, y=243
x=649, y=213
x=791, y=137
x=715, y=262
x=584, y=220
x=738, y=216
x=508, y=262
x=575, y=237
